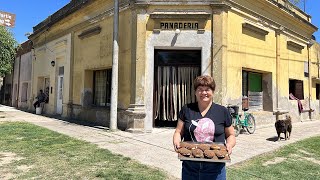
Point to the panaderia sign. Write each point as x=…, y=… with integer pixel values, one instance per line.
x=179, y=25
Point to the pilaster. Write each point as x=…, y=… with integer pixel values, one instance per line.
x=136, y=112
x=135, y=118
x=220, y=49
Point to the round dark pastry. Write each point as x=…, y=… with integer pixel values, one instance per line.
x=197, y=153
x=224, y=151
x=215, y=147
x=184, y=151
x=183, y=145
x=191, y=146
x=218, y=147
x=222, y=147
x=204, y=147
x=209, y=154
x=219, y=154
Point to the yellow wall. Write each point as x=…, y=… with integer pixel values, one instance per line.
x=315, y=60
x=95, y=53
x=249, y=51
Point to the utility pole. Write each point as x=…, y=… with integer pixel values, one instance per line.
x=115, y=57
x=18, y=91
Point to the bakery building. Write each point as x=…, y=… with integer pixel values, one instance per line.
x=262, y=50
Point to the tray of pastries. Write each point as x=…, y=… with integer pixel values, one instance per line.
x=208, y=152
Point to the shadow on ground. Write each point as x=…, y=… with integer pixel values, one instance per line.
x=73, y=121
x=274, y=138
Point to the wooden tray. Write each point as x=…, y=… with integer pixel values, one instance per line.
x=184, y=158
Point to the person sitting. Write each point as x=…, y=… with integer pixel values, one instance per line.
x=40, y=98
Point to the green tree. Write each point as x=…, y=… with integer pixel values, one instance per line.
x=8, y=47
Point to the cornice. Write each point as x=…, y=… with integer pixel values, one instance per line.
x=278, y=28
x=179, y=15
x=221, y=5
x=174, y=2
x=216, y=6
x=139, y=5
x=89, y=22
x=292, y=13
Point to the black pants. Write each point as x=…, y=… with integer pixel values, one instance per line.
x=36, y=104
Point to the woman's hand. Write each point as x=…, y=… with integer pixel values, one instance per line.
x=177, y=135
x=229, y=148
x=231, y=139
x=176, y=145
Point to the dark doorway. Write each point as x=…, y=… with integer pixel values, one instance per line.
x=174, y=73
x=252, y=89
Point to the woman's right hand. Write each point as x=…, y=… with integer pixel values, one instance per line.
x=176, y=144
x=177, y=135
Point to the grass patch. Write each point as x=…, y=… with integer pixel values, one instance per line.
x=300, y=160
x=39, y=153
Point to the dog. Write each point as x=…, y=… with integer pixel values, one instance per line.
x=284, y=126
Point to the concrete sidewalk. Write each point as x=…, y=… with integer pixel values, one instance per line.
x=158, y=147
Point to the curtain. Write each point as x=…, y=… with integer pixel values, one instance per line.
x=100, y=88
x=173, y=88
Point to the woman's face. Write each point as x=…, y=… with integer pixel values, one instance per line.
x=204, y=94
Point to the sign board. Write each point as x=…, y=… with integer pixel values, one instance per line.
x=7, y=19
x=179, y=25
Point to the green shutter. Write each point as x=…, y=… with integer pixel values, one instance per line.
x=255, y=82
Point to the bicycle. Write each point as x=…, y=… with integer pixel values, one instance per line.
x=248, y=122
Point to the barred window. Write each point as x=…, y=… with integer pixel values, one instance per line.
x=102, y=87
x=296, y=88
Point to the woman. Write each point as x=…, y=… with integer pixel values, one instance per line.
x=204, y=121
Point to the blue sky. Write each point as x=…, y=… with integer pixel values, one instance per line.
x=30, y=13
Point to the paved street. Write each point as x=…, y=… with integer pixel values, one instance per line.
x=158, y=144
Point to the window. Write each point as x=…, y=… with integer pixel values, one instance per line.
x=46, y=89
x=296, y=88
x=252, y=82
x=306, y=69
x=102, y=87
x=244, y=83
x=252, y=89
x=7, y=92
x=24, y=92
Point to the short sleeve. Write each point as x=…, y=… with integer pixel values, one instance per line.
x=228, y=120
x=182, y=113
